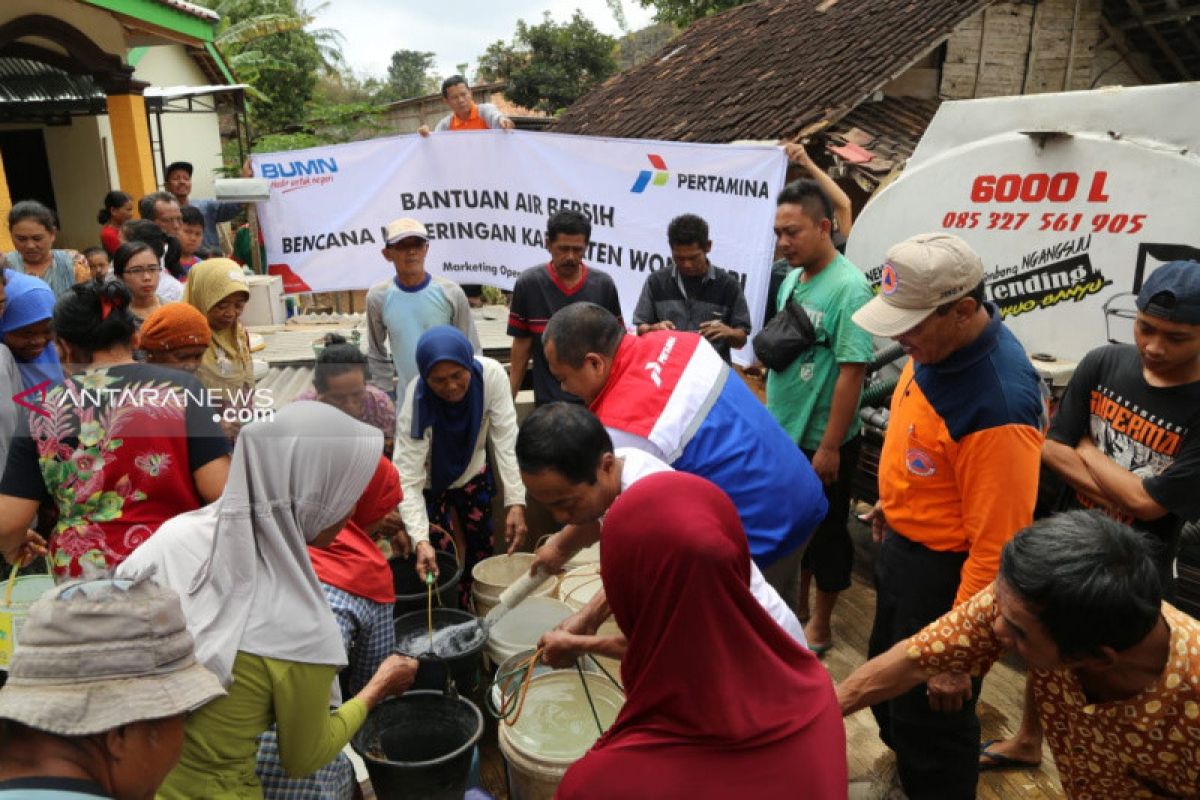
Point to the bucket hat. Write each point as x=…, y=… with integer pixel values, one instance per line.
x=95, y=655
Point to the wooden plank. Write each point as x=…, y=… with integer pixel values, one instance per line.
x=1136, y=9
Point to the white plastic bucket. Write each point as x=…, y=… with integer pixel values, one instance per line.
x=554, y=730
x=580, y=585
x=586, y=556
x=522, y=626
x=25, y=590
x=493, y=575
x=513, y=662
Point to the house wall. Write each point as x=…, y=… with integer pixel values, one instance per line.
x=98, y=25
x=78, y=176
x=1116, y=65
x=193, y=137
x=1013, y=48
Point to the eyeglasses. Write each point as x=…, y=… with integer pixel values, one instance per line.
x=139, y=271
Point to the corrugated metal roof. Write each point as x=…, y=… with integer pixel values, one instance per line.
x=23, y=80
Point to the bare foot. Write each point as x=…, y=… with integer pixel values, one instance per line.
x=1010, y=754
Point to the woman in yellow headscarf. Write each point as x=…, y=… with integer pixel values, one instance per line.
x=218, y=289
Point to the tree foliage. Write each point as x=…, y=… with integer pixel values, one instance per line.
x=550, y=65
x=682, y=13
x=635, y=47
x=409, y=75
x=270, y=46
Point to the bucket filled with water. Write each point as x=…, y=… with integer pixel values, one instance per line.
x=558, y=722
x=18, y=595
x=457, y=643
x=411, y=592
x=493, y=575
x=522, y=626
x=419, y=746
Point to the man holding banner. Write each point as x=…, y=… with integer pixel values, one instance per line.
x=543, y=290
x=399, y=310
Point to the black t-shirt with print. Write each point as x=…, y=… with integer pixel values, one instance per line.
x=536, y=295
x=1150, y=431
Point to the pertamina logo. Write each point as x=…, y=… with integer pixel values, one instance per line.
x=288, y=176
x=646, y=177
x=655, y=367
x=695, y=182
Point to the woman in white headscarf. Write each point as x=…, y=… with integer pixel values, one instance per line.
x=255, y=606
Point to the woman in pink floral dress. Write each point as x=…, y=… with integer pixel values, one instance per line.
x=118, y=449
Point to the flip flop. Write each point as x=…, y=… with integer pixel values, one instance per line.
x=997, y=762
x=819, y=650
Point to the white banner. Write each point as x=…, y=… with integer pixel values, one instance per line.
x=486, y=195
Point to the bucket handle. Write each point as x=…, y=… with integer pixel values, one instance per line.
x=12, y=581
x=451, y=690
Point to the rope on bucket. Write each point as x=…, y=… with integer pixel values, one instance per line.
x=12, y=582
x=588, y=694
x=511, y=704
x=429, y=606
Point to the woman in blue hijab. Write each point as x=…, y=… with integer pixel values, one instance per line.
x=455, y=407
x=25, y=328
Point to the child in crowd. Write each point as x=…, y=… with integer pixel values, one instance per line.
x=191, y=238
x=97, y=259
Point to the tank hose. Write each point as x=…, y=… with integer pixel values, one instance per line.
x=879, y=392
x=885, y=357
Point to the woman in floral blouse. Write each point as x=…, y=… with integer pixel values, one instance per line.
x=118, y=449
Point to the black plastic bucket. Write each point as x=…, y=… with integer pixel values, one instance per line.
x=464, y=667
x=419, y=746
x=411, y=594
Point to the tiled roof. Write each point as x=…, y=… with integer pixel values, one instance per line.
x=888, y=130
x=767, y=69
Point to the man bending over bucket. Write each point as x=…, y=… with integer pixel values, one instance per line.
x=568, y=463
x=1113, y=669
x=669, y=394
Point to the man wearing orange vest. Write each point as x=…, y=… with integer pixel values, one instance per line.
x=957, y=478
x=467, y=115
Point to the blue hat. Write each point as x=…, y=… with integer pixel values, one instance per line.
x=1172, y=292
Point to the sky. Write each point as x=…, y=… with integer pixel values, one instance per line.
x=456, y=30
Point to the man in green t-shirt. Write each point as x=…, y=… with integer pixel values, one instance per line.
x=816, y=397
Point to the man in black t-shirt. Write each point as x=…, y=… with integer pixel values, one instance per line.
x=692, y=293
x=542, y=290
x=1127, y=435
x=1126, y=440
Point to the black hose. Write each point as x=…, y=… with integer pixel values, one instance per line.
x=879, y=393
x=884, y=357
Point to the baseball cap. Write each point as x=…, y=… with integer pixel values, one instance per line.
x=1172, y=292
x=919, y=274
x=183, y=165
x=405, y=228
x=94, y=656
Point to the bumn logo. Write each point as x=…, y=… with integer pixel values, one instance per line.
x=646, y=177
x=296, y=169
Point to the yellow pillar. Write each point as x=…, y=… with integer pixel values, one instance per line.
x=6, y=243
x=131, y=141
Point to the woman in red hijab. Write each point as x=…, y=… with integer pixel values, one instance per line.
x=721, y=702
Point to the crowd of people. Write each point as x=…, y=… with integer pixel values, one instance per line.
x=225, y=625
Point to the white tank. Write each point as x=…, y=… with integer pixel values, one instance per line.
x=1071, y=200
